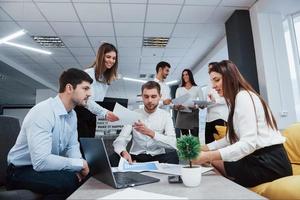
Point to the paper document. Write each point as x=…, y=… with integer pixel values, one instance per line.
x=164, y=168
x=124, y=166
x=180, y=100
x=125, y=115
x=131, y=193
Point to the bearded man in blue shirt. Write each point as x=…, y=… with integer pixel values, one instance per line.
x=46, y=157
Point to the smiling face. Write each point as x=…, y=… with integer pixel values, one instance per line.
x=217, y=82
x=110, y=59
x=185, y=76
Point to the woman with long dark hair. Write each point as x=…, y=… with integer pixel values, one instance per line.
x=252, y=151
x=187, y=119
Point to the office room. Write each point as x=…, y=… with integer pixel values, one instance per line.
x=194, y=99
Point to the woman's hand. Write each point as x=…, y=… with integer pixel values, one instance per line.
x=110, y=116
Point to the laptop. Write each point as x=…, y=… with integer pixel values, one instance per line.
x=95, y=154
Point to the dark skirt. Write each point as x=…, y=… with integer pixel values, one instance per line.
x=263, y=165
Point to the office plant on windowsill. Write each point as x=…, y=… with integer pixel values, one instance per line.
x=189, y=149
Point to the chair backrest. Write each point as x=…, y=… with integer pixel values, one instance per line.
x=9, y=130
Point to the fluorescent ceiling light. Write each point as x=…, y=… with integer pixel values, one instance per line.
x=171, y=82
x=133, y=79
x=28, y=48
x=12, y=36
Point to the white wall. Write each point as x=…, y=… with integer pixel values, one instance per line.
x=272, y=61
x=19, y=113
x=43, y=94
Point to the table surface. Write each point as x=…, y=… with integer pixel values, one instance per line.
x=212, y=186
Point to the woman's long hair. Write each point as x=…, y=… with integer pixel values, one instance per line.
x=100, y=70
x=233, y=82
x=191, y=77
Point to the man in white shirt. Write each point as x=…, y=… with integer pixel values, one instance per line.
x=150, y=135
x=162, y=72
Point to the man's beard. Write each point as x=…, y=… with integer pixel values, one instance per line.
x=83, y=103
x=150, y=109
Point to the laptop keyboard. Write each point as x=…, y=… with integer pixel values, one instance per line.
x=126, y=178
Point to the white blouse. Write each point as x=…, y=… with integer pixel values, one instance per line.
x=194, y=91
x=252, y=130
x=99, y=90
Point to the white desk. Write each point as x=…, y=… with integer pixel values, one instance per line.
x=212, y=187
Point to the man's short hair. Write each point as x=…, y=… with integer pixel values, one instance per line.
x=151, y=85
x=162, y=65
x=74, y=77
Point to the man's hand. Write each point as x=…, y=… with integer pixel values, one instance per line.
x=83, y=172
x=110, y=116
x=126, y=156
x=142, y=128
x=179, y=107
x=167, y=101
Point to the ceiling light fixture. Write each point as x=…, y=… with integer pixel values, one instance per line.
x=12, y=36
x=133, y=79
x=171, y=82
x=28, y=48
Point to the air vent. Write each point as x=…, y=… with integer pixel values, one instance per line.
x=49, y=41
x=160, y=42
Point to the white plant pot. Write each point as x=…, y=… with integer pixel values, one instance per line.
x=191, y=177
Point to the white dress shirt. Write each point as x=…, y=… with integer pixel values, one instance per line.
x=99, y=90
x=160, y=122
x=218, y=110
x=48, y=139
x=245, y=123
x=165, y=94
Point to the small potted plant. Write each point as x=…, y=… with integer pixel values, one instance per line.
x=189, y=149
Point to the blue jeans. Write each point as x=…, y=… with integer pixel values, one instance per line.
x=61, y=183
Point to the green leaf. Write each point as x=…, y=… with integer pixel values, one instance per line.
x=188, y=147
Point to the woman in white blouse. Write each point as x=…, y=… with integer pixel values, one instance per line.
x=187, y=119
x=252, y=151
x=103, y=71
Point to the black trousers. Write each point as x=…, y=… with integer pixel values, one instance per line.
x=168, y=157
x=194, y=131
x=263, y=165
x=210, y=129
x=55, y=184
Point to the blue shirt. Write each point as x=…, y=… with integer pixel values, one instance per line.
x=48, y=139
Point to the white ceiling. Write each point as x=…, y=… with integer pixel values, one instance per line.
x=193, y=26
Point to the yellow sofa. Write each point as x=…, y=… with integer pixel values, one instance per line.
x=286, y=187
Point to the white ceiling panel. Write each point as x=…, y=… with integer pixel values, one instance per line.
x=165, y=1
x=130, y=52
x=99, y=29
x=203, y=2
x=60, y=52
x=180, y=42
x=130, y=41
x=222, y=13
x=240, y=3
x=195, y=14
x=157, y=13
x=187, y=30
x=150, y=60
x=172, y=59
x=151, y=51
x=37, y=28
x=7, y=28
x=75, y=41
x=10, y=51
x=129, y=60
x=4, y=16
x=158, y=30
x=129, y=29
x=128, y=1
x=129, y=12
x=86, y=61
x=58, y=12
x=66, y=60
x=174, y=52
x=93, y=12
x=22, y=11
x=91, y=1
x=68, y=28
x=96, y=41
x=51, y=0
x=82, y=51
